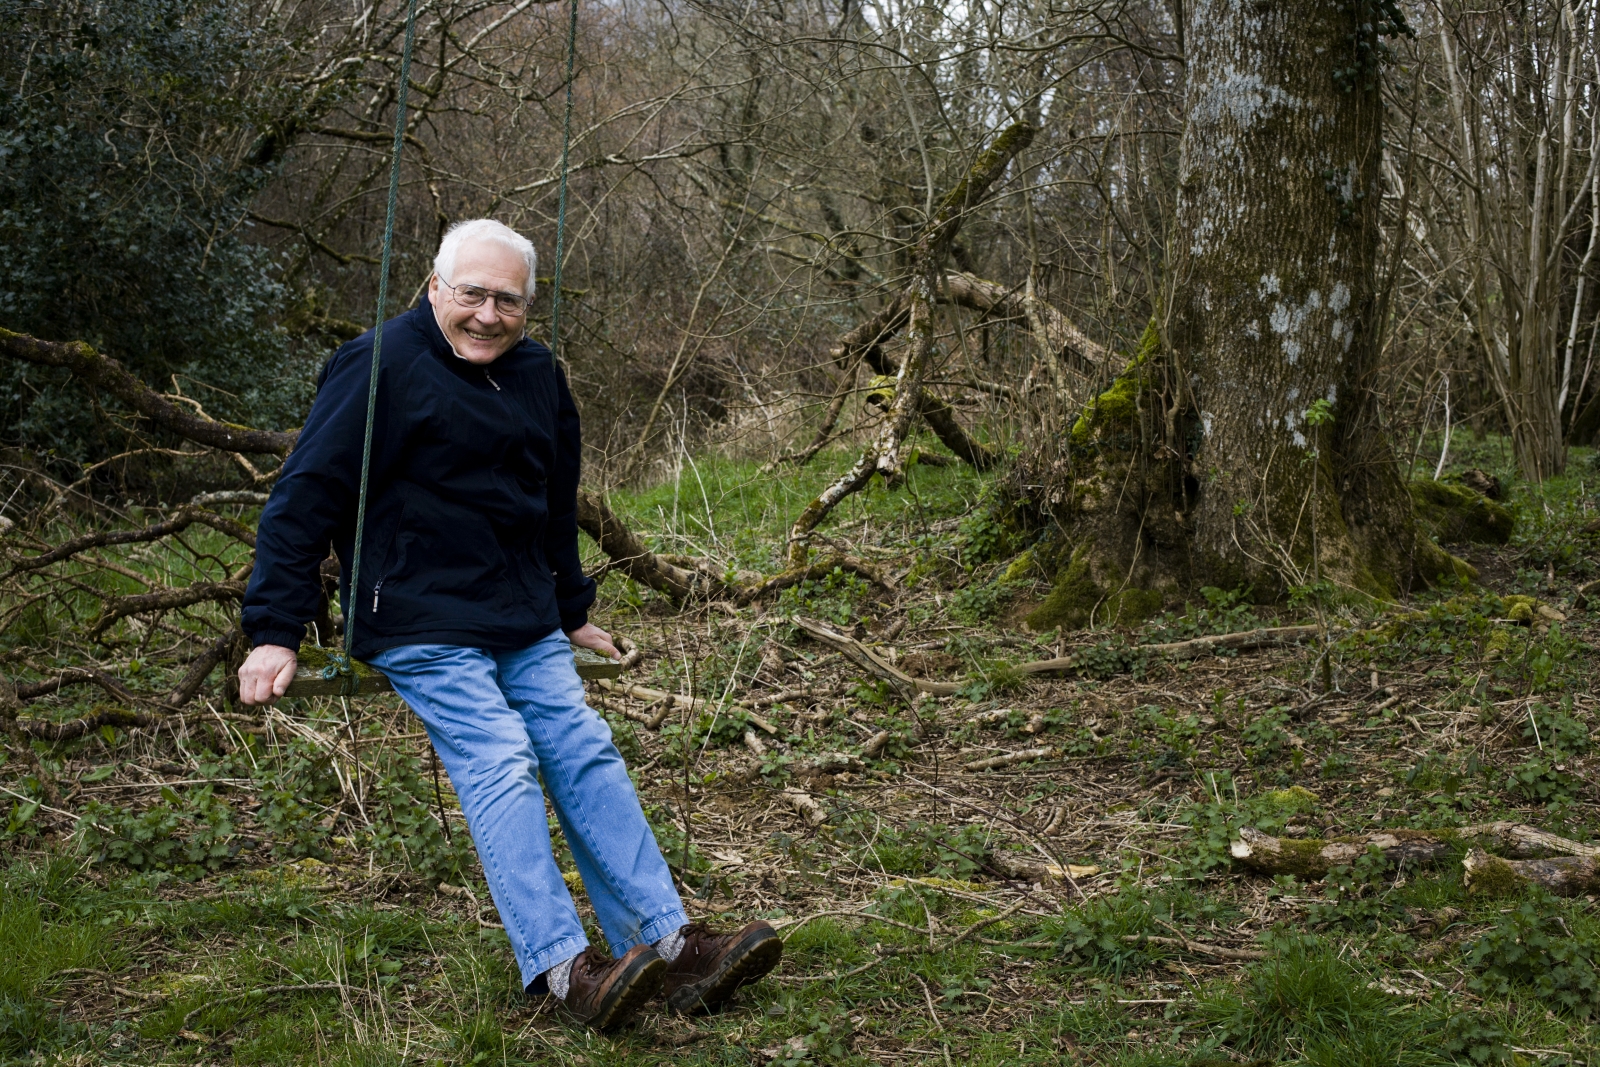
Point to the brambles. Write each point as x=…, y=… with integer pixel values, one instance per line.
x=188, y=834
x=836, y=598
x=1535, y=951
x=1266, y=737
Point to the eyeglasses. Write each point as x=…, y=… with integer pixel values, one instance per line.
x=473, y=296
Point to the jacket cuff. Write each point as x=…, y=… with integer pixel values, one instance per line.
x=284, y=638
x=574, y=609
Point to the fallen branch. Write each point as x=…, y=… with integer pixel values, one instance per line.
x=1565, y=876
x=1178, y=650
x=112, y=377
x=185, y=517
x=166, y=600
x=629, y=555
x=884, y=456
x=941, y=419
x=41, y=730
x=996, y=762
x=1198, y=948
x=303, y=987
x=76, y=676
x=803, y=803
x=869, y=659
x=1243, y=641
x=674, y=700
x=812, y=572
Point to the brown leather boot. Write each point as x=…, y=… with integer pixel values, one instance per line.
x=712, y=966
x=604, y=992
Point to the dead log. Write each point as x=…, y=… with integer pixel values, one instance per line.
x=1025, y=868
x=1525, y=842
x=806, y=806
x=1565, y=876
x=996, y=762
x=1310, y=859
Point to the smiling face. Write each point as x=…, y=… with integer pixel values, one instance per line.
x=481, y=335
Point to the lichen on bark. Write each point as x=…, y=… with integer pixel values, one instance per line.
x=1242, y=445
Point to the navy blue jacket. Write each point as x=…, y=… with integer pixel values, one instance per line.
x=471, y=530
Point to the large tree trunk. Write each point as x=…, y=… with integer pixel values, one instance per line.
x=1243, y=444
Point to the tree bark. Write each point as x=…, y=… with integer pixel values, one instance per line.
x=1242, y=446
x=1274, y=283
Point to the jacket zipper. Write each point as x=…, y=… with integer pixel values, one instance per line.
x=492, y=382
x=375, y=590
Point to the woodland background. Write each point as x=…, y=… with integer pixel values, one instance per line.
x=1001, y=808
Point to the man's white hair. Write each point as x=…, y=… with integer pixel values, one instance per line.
x=444, y=264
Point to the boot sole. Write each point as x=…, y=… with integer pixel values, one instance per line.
x=632, y=990
x=757, y=954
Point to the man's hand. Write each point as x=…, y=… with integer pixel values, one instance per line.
x=266, y=673
x=591, y=636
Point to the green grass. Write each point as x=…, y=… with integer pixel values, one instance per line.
x=174, y=955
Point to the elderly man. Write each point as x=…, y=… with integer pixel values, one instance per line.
x=471, y=589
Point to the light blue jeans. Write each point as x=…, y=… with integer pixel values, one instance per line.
x=501, y=721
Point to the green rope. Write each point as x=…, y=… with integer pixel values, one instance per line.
x=350, y=680
x=561, y=209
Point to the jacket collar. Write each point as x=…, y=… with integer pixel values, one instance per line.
x=441, y=347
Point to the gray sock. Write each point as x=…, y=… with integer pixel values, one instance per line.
x=669, y=947
x=560, y=978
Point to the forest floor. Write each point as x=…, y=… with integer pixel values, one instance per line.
x=240, y=887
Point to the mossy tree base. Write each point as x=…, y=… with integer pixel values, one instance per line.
x=1454, y=514
x=1112, y=507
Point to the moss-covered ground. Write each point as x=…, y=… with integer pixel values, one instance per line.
x=232, y=887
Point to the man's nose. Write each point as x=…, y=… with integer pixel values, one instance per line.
x=486, y=315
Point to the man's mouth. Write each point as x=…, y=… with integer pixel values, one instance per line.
x=480, y=336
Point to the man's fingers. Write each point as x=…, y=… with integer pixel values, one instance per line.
x=280, y=684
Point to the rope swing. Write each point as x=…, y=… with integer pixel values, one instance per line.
x=340, y=667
